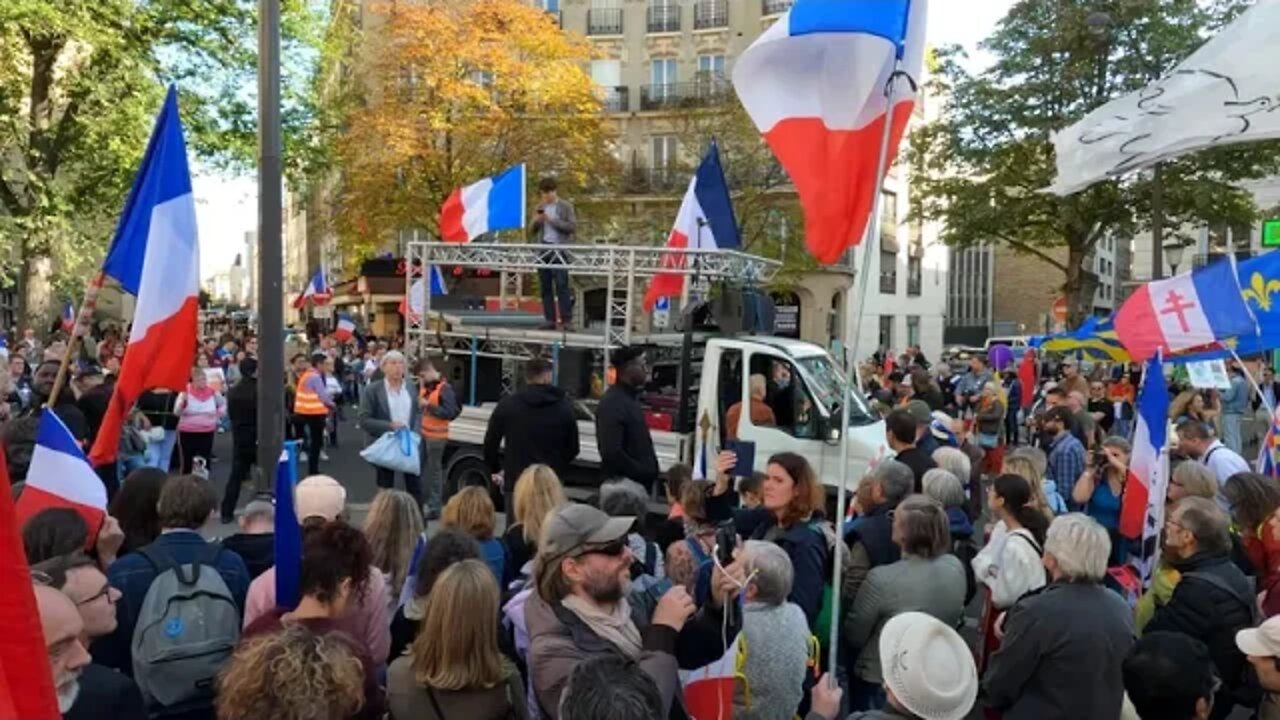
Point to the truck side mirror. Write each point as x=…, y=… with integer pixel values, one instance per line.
x=833, y=434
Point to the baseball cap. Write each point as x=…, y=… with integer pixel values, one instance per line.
x=920, y=412
x=319, y=496
x=928, y=667
x=1262, y=641
x=89, y=369
x=575, y=525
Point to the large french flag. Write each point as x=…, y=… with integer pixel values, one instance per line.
x=705, y=222
x=155, y=256
x=60, y=476
x=1186, y=311
x=494, y=203
x=317, y=291
x=1142, y=507
x=815, y=85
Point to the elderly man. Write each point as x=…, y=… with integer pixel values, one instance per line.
x=870, y=535
x=63, y=631
x=391, y=404
x=103, y=692
x=761, y=414
x=1064, y=645
x=1196, y=440
x=776, y=634
x=583, y=607
x=1213, y=600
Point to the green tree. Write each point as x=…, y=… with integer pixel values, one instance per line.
x=979, y=169
x=80, y=84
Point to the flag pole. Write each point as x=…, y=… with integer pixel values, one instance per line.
x=851, y=364
x=1253, y=383
x=83, y=319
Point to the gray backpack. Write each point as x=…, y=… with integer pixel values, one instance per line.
x=187, y=628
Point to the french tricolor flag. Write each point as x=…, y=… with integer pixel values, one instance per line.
x=495, y=203
x=705, y=222
x=346, y=328
x=155, y=256
x=317, y=291
x=1186, y=311
x=411, y=307
x=815, y=85
x=60, y=476
x=1142, y=507
x=68, y=316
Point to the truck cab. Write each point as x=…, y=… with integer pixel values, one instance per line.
x=804, y=389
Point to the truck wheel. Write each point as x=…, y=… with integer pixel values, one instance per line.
x=468, y=470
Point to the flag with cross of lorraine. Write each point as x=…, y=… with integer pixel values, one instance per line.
x=1186, y=311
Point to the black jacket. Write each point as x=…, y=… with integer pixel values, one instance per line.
x=242, y=410
x=626, y=447
x=919, y=462
x=1211, y=602
x=535, y=425
x=105, y=693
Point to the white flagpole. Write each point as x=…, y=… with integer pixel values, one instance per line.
x=851, y=366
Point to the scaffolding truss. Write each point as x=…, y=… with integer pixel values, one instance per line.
x=620, y=266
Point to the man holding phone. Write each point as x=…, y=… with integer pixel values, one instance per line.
x=554, y=223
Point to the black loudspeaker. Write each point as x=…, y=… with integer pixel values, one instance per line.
x=457, y=369
x=574, y=371
x=727, y=310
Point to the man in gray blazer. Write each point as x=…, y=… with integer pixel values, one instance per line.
x=390, y=404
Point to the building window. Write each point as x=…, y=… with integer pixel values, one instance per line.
x=664, y=16
x=664, y=150
x=604, y=18
x=711, y=66
x=888, y=273
x=710, y=14
x=662, y=76
x=915, y=276
x=551, y=6
x=775, y=7
x=663, y=173
x=913, y=330
x=886, y=332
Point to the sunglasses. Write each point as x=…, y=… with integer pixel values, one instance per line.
x=614, y=548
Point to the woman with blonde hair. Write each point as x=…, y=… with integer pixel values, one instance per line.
x=472, y=512
x=537, y=492
x=1044, y=493
x=454, y=668
x=394, y=527
x=295, y=674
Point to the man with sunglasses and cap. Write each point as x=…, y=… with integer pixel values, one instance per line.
x=622, y=436
x=583, y=607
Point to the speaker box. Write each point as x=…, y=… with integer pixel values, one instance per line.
x=457, y=369
x=574, y=371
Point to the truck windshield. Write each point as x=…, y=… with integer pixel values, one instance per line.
x=827, y=383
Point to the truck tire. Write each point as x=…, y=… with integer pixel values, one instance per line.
x=468, y=468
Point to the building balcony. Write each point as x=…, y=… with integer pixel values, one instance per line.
x=709, y=14
x=615, y=99
x=670, y=96
x=604, y=21
x=664, y=18
x=775, y=7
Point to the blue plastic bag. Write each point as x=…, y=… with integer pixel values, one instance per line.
x=396, y=450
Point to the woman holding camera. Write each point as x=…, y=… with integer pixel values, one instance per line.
x=1101, y=488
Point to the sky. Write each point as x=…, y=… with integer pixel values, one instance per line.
x=226, y=207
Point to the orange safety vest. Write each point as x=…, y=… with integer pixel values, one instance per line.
x=306, y=402
x=434, y=428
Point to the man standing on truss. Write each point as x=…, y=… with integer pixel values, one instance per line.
x=554, y=223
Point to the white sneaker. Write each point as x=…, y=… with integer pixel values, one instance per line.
x=302, y=456
x=324, y=455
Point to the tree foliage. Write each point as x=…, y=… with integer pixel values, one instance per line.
x=453, y=92
x=80, y=84
x=980, y=168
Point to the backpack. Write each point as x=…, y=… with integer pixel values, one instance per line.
x=648, y=565
x=188, y=626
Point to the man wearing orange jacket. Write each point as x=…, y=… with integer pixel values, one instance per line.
x=312, y=406
x=439, y=406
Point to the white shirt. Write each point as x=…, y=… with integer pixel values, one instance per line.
x=1224, y=462
x=1009, y=566
x=399, y=402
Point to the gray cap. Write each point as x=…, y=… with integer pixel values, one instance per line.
x=572, y=526
x=920, y=412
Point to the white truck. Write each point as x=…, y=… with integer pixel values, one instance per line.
x=707, y=373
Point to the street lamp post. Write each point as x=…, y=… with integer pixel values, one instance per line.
x=270, y=256
x=1173, y=251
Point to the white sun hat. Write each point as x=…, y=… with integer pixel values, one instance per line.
x=928, y=667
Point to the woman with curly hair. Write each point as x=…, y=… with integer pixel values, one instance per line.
x=336, y=566
x=394, y=527
x=294, y=674
x=455, y=669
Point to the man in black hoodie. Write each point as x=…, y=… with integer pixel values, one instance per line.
x=623, y=438
x=538, y=426
x=242, y=408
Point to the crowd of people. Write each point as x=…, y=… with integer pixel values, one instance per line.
x=443, y=604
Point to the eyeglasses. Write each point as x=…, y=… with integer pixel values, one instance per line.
x=614, y=548
x=104, y=592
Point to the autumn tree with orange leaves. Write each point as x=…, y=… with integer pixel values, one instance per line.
x=454, y=92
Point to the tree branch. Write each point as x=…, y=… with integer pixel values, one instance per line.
x=10, y=199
